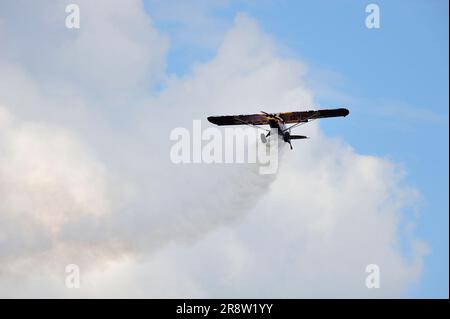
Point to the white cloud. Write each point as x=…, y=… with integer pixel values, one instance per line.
x=47, y=179
x=90, y=182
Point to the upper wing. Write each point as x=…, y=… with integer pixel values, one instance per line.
x=288, y=117
x=296, y=117
x=252, y=119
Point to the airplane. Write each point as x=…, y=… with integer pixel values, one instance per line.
x=278, y=121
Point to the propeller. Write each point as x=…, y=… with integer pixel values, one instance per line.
x=269, y=114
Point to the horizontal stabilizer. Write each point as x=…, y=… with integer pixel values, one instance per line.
x=297, y=137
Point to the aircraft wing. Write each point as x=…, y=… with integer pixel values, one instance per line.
x=296, y=117
x=288, y=117
x=251, y=119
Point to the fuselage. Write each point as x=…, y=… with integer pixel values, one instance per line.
x=278, y=123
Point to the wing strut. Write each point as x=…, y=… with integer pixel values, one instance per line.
x=311, y=118
x=252, y=125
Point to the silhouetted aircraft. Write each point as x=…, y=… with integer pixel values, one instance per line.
x=278, y=121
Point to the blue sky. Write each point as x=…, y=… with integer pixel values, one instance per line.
x=394, y=80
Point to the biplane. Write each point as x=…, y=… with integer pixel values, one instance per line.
x=278, y=121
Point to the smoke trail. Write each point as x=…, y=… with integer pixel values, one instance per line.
x=181, y=205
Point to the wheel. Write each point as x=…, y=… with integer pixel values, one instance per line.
x=263, y=138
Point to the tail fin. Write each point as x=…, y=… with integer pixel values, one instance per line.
x=297, y=137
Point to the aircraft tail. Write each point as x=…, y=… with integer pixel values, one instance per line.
x=297, y=137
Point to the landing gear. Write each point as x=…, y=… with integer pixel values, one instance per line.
x=287, y=138
x=263, y=138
